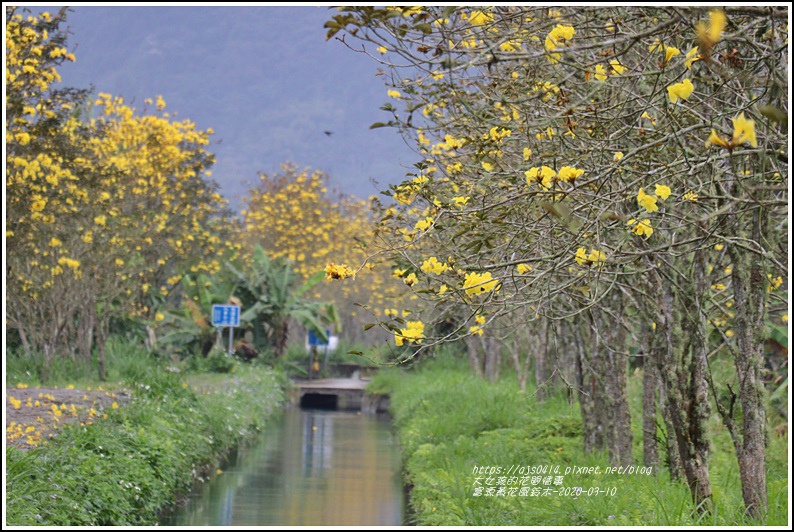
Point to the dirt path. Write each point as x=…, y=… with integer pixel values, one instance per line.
x=34, y=415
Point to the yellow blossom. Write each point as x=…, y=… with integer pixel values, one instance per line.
x=709, y=35
x=424, y=224
x=560, y=35
x=413, y=332
x=617, y=68
x=692, y=56
x=743, y=131
x=581, y=255
x=618, y=156
x=715, y=140
x=543, y=176
x=596, y=257
x=480, y=283
x=340, y=271
x=432, y=265
x=647, y=201
x=393, y=94
x=71, y=263
x=569, y=173
x=523, y=268
x=23, y=138
x=478, y=18
x=680, y=90
x=477, y=329
x=774, y=283
x=670, y=52
x=600, y=73
x=641, y=228
x=691, y=196
x=663, y=191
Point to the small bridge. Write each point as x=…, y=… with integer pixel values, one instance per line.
x=342, y=394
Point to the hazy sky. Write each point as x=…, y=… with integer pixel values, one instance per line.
x=262, y=76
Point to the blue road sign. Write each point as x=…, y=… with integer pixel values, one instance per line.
x=225, y=316
x=316, y=340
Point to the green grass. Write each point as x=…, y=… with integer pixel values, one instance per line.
x=126, y=469
x=449, y=422
x=125, y=361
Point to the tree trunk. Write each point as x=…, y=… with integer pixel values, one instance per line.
x=101, y=345
x=280, y=337
x=611, y=399
x=650, y=388
x=588, y=386
x=683, y=375
x=515, y=356
x=494, y=357
x=475, y=363
x=749, y=289
x=541, y=346
x=85, y=332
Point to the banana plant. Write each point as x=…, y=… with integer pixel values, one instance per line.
x=189, y=328
x=271, y=300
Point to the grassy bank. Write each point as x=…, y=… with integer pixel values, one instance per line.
x=126, y=468
x=456, y=430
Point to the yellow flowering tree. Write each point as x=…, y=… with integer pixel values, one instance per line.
x=106, y=207
x=295, y=217
x=519, y=114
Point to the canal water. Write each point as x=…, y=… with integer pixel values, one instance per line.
x=309, y=468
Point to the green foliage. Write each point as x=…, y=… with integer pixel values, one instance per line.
x=270, y=300
x=125, y=362
x=125, y=470
x=218, y=361
x=189, y=330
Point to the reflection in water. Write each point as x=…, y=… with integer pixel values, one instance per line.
x=311, y=467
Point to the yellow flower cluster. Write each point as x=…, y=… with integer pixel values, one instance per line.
x=544, y=176
x=680, y=91
x=595, y=258
x=743, y=131
x=480, y=283
x=648, y=201
x=559, y=36
x=432, y=265
x=413, y=332
x=341, y=271
x=477, y=329
x=641, y=228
